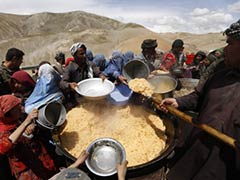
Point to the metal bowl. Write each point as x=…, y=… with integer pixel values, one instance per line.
x=163, y=86
x=95, y=88
x=71, y=174
x=104, y=154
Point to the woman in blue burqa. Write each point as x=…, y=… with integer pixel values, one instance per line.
x=46, y=89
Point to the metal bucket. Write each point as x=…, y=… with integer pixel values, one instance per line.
x=51, y=115
x=163, y=86
x=136, y=69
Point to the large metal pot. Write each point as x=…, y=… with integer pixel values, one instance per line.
x=163, y=157
x=145, y=168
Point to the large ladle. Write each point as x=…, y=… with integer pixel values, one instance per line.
x=219, y=135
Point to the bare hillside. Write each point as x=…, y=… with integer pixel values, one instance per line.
x=195, y=42
x=41, y=35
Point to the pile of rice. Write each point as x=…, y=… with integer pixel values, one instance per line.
x=142, y=133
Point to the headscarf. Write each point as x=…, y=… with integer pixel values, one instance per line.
x=168, y=61
x=89, y=55
x=100, y=61
x=220, y=50
x=197, y=61
x=75, y=47
x=129, y=55
x=211, y=58
x=24, y=78
x=118, y=59
x=233, y=31
x=202, y=54
x=115, y=65
x=177, y=43
x=7, y=103
x=68, y=60
x=46, y=89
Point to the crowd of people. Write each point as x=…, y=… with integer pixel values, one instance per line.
x=215, y=99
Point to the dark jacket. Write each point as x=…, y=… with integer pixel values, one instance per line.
x=217, y=102
x=5, y=75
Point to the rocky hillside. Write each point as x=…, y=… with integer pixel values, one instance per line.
x=41, y=35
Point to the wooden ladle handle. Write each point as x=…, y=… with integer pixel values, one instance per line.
x=219, y=135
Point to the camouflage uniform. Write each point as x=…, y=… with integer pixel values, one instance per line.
x=5, y=75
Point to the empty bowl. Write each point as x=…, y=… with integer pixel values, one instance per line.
x=104, y=154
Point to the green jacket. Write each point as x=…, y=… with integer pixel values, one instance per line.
x=5, y=75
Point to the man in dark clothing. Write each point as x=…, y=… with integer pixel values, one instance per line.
x=13, y=60
x=149, y=54
x=79, y=69
x=217, y=102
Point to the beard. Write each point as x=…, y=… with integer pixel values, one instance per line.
x=150, y=57
x=232, y=55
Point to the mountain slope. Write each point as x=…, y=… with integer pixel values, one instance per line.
x=41, y=35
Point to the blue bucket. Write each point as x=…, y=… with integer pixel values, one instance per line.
x=120, y=95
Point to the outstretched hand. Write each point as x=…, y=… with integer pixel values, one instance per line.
x=103, y=77
x=81, y=158
x=73, y=85
x=122, y=79
x=167, y=101
x=31, y=117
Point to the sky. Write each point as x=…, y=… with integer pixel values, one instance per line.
x=193, y=16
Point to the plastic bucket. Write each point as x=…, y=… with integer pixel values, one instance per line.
x=121, y=95
x=51, y=115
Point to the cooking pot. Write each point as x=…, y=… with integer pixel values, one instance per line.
x=141, y=169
